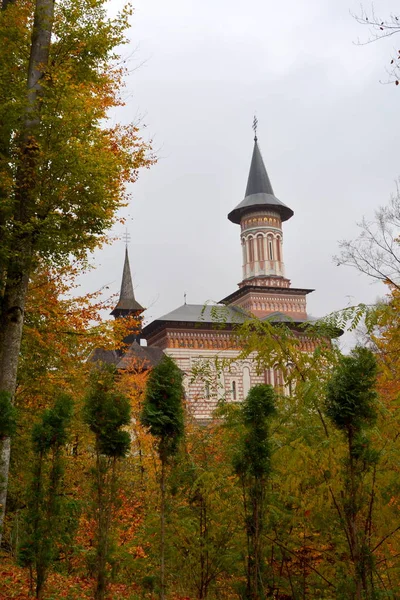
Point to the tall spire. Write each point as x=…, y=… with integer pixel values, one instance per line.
x=258, y=181
x=259, y=193
x=127, y=304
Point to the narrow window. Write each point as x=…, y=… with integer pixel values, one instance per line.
x=251, y=250
x=278, y=379
x=207, y=390
x=221, y=385
x=246, y=381
x=260, y=243
x=270, y=250
x=278, y=248
x=234, y=394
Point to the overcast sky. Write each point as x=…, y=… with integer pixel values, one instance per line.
x=328, y=132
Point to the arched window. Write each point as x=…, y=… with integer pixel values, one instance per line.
x=207, y=390
x=234, y=391
x=260, y=246
x=221, y=385
x=270, y=249
x=246, y=381
x=251, y=249
x=244, y=251
x=278, y=249
x=278, y=379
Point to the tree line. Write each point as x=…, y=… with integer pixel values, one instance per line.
x=115, y=491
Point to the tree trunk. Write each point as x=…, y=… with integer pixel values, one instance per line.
x=12, y=303
x=12, y=310
x=204, y=558
x=358, y=553
x=101, y=509
x=162, y=541
x=254, y=517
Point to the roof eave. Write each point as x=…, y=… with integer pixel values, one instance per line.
x=261, y=288
x=236, y=215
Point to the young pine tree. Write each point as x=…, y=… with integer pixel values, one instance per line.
x=46, y=505
x=163, y=414
x=351, y=405
x=252, y=465
x=106, y=412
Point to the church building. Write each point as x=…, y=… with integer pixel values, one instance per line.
x=199, y=336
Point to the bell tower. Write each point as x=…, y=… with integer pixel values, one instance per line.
x=264, y=288
x=127, y=304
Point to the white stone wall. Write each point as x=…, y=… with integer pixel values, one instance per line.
x=262, y=245
x=210, y=376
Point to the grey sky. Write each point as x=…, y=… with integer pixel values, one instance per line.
x=328, y=132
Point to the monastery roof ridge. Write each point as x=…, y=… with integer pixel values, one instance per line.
x=204, y=313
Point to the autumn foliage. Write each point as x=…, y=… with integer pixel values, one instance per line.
x=294, y=494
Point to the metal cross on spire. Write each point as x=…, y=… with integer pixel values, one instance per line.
x=126, y=237
x=255, y=124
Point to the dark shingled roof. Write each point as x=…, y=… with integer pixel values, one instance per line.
x=127, y=303
x=205, y=313
x=141, y=356
x=259, y=192
x=144, y=357
x=109, y=357
x=199, y=313
x=258, y=181
x=214, y=315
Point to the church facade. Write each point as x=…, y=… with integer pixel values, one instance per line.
x=200, y=337
x=203, y=339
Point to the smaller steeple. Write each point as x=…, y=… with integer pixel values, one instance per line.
x=127, y=304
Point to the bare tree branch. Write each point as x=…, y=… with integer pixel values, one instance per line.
x=376, y=251
x=380, y=28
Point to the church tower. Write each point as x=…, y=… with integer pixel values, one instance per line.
x=264, y=289
x=196, y=334
x=132, y=354
x=127, y=304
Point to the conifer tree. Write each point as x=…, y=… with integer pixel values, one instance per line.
x=163, y=414
x=252, y=464
x=106, y=411
x=205, y=529
x=45, y=519
x=351, y=405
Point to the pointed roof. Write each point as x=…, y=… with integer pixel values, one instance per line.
x=259, y=192
x=127, y=303
x=258, y=181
